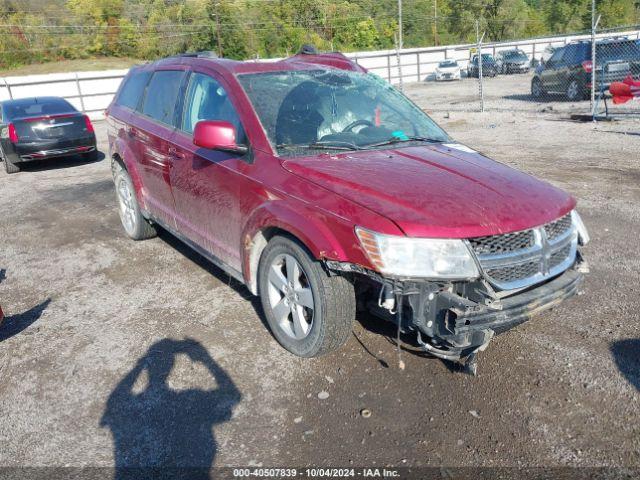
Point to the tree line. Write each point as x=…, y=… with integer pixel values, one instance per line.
x=39, y=31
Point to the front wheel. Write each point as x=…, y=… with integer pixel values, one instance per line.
x=309, y=312
x=536, y=88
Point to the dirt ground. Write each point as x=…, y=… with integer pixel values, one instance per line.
x=114, y=349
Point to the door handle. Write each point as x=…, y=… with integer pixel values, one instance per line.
x=173, y=151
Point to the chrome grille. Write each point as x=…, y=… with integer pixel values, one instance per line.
x=557, y=228
x=502, y=243
x=520, y=259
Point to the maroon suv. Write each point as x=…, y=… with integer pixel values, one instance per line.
x=323, y=189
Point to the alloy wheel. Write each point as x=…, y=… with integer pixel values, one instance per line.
x=536, y=88
x=290, y=296
x=127, y=210
x=573, y=90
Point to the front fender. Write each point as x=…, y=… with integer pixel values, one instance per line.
x=326, y=236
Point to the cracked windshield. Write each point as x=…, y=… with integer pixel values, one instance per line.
x=335, y=110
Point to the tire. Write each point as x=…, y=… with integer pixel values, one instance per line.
x=574, y=91
x=91, y=156
x=10, y=167
x=135, y=225
x=536, y=88
x=325, y=326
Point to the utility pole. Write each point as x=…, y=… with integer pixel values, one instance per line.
x=400, y=41
x=594, y=26
x=217, y=14
x=435, y=22
x=479, y=47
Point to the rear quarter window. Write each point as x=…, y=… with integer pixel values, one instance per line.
x=162, y=94
x=132, y=90
x=37, y=107
x=624, y=50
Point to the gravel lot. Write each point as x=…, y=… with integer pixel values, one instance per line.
x=114, y=350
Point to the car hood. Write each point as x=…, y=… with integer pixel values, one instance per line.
x=448, y=69
x=440, y=191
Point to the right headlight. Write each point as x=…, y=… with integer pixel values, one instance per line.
x=435, y=258
x=583, y=235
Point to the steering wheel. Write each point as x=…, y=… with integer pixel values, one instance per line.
x=357, y=123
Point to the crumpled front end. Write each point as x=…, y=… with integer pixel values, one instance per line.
x=522, y=274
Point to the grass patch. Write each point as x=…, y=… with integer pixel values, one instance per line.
x=63, y=66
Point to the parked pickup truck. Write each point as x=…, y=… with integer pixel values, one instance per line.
x=323, y=189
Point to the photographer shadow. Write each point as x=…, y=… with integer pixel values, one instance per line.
x=161, y=432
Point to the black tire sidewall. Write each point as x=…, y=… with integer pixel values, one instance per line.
x=536, y=81
x=312, y=343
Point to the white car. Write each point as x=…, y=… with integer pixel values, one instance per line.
x=448, y=70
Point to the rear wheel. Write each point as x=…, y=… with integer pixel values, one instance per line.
x=309, y=312
x=135, y=225
x=574, y=91
x=10, y=167
x=536, y=88
x=91, y=156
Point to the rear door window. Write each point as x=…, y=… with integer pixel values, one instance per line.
x=133, y=89
x=162, y=94
x=624, y=50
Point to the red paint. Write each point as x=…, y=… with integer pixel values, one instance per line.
x=214, y=135
x=48, y=117
x=221, y=199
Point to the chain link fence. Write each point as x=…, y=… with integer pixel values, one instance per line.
x=593, y=77
x=585, y=75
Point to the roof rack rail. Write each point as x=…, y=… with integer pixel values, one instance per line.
x=202, y=54
x=308, y=49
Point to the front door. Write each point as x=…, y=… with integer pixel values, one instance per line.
x=206, y=183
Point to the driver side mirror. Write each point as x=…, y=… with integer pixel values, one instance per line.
x=217, y=135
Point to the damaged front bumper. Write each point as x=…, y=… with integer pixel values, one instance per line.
x=455, y=320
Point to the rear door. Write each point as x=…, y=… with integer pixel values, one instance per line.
x=150, y=132
x=207, y=183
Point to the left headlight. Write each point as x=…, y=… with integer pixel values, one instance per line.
x=437, y=258
x=583, y=234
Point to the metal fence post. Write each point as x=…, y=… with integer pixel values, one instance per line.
x=399, y=64
x=594, y=25
x=480, y=65
x=6, y=84
x=80, y=93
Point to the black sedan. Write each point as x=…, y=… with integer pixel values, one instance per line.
x=489, y=67
x=43, y=127
x=512, y=61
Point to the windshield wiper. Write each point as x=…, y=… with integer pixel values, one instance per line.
x=394, y=140
x=323, y=146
